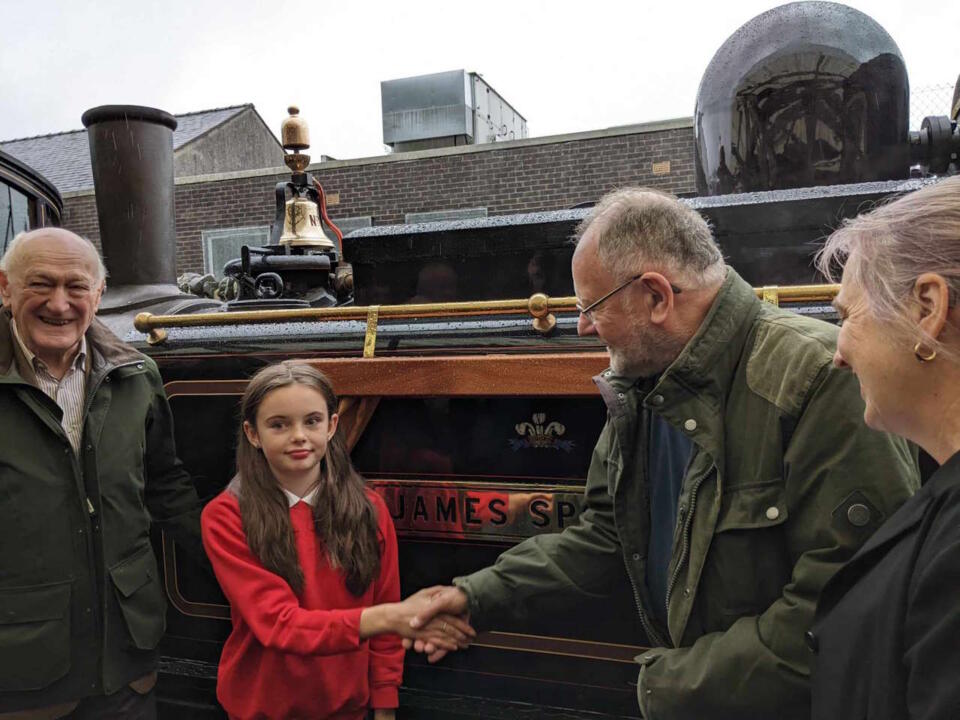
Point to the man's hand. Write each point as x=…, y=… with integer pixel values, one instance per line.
x=448, y=632
x=445, y=604
x=384, y=714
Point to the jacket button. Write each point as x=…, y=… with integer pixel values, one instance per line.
x=689, y=424
x=858, y=514
x=813, y=642
x=636, y=557
x=773, y=512
x=656, y=400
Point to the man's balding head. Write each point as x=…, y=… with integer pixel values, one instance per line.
x=637, y=228
x=17, y=255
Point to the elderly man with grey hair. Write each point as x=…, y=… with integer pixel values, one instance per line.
x=733, y=477
x=87, y=462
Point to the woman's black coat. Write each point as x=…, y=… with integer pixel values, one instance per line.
x=887, y=629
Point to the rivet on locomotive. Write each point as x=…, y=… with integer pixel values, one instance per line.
x=475, y=425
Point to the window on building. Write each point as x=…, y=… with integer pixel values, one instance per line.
x=223, y=244
x=349, y=224
x=14, y=213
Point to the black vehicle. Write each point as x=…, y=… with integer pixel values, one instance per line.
x=27, y=200
x=476, y=419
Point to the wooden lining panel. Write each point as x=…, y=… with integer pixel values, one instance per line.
x=530, y=375
x=537, y=375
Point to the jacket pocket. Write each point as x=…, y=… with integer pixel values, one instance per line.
x=140, y=596
x=754, y=506
x=748, y=563
x=34, y=636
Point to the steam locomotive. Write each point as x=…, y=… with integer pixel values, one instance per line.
x=474, y=417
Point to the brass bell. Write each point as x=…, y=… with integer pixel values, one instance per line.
x=302, y=225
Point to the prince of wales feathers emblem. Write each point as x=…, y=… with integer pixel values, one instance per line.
x=538, y=435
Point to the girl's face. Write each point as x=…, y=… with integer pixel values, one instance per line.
x=293, y=428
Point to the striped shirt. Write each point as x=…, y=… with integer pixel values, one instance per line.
x=69, y=392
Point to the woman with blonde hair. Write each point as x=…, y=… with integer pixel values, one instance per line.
x=887, y=630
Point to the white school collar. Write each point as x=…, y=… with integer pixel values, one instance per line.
x=310, y=498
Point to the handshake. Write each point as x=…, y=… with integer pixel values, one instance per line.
x=432, y=621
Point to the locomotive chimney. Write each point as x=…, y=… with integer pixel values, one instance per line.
x=131, y=151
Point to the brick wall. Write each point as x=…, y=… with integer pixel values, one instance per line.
x=80, y=215
x=522, y=176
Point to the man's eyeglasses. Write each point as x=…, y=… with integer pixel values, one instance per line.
x=588, y=310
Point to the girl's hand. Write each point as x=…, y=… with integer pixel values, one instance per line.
x=448, y=632
x=384, y=714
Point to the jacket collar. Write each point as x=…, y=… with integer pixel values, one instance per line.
x=106, y=349
x=708, y=362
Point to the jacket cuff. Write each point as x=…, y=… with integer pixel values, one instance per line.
x=384, y=697
x=473, y=603
x=644, y=691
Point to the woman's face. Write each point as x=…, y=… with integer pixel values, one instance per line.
x=883, y=363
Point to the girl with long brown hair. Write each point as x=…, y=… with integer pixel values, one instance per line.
x=307, y=557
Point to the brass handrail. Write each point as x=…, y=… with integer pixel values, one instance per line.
x=541, y=307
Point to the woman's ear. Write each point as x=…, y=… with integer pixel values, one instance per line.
x=334, y=421
x=251, y=432
x=932, y=295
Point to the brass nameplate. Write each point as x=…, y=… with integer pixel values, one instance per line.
x=661, y=168
x=459, y=511
x=334, y=198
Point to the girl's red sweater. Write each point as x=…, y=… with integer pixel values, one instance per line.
x=300, y=657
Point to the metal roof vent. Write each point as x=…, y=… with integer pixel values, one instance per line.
x=446, y=109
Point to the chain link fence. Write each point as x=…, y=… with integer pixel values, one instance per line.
x=929, y=100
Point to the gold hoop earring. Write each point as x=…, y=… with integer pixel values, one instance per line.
x=923, y=358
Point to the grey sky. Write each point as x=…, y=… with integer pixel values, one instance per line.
x=565, y=66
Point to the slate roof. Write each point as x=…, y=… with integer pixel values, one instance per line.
x=64, y=158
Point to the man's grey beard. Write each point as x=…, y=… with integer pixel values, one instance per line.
x=651, y=351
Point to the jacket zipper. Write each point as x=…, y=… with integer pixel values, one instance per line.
x=685, y=543
x=653, y=634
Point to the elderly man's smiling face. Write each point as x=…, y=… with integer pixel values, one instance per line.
x=53, y=288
